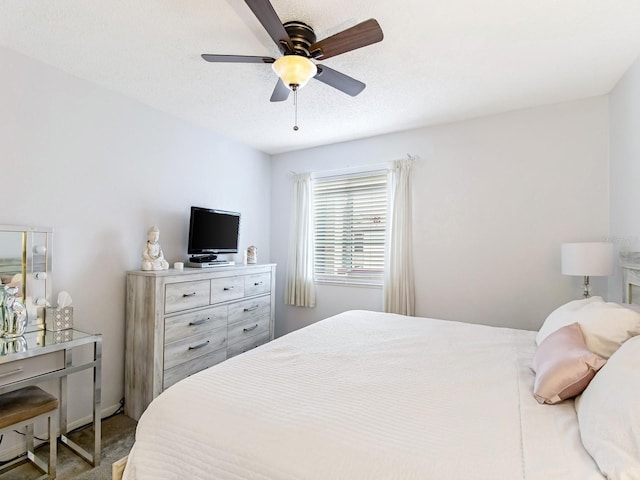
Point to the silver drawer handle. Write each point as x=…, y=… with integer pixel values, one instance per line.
x=258, y=283
x=251, y=309
x=189, y=294
x=12, y=372
x=199, y=322
x=203, y=344
x=228, y=288
x=251, y=328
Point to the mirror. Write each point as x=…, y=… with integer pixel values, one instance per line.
x=11, y=256
x=25, y=258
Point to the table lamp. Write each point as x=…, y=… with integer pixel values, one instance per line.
x=587, y=259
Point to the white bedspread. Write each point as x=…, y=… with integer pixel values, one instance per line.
x=365, y=395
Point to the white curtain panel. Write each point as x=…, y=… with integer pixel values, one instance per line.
x=399, y=288
x=300, y=289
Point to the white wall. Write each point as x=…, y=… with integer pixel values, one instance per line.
x=100, y=169
x=493, y=200
x=625, y=168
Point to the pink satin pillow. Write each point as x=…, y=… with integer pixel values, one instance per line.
x=564, y=365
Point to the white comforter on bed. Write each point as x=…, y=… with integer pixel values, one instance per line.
x=365, y=395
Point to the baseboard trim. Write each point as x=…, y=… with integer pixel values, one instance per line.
x=105, y=412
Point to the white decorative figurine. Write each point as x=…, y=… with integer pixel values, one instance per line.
x=152, y=256
x=252, y=254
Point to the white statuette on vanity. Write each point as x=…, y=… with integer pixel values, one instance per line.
x=179, y=322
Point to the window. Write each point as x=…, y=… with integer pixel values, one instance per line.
x=350, y=217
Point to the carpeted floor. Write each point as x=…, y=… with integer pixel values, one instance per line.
x=117, y=439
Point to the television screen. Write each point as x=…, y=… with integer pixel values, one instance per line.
x=213, y=231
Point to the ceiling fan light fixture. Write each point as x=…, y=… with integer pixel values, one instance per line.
x=294, y=70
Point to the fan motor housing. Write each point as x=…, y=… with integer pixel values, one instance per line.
x=302, y=36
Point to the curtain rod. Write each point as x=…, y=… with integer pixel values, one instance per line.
x=355, y=168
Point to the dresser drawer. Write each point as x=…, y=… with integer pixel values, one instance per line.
x=256, y=307
x=224, y=289
x=182, y=351
x=177, y=373
x=248, y=328
x=30, y=367
x=186, y=295
x=257, y=284
x=247, y=344
x=193, y=323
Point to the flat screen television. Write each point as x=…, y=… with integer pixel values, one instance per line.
x=213, y=231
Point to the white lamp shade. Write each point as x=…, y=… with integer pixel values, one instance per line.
x=294, y=70
x=591, y=259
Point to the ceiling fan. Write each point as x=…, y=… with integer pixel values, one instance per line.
x=297, y=42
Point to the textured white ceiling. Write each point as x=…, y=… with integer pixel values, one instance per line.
x=440, y=61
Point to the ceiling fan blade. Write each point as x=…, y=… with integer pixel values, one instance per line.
x=280, y=93
x=269, y=19
x=358, y=36
x=338, y=80
x=236, y=58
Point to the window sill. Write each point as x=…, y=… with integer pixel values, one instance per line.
x=348, y=284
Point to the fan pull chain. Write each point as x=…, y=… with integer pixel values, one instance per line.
x=295, y=106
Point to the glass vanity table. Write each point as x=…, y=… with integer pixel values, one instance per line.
x=41, y=355
x=16, y=372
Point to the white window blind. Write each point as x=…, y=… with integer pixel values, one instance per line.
x=350, y=215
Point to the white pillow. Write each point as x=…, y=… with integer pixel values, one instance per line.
x=605, y=325
x=609, y=414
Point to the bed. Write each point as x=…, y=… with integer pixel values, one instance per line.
x=369, y=395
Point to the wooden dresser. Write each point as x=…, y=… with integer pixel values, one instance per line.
x=179, y=322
